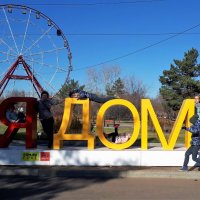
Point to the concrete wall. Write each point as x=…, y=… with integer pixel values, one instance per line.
x=80, y=156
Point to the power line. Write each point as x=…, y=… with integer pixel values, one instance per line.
x=138, y=50
x=107, y=34
x=126, y=34
x=95, y=4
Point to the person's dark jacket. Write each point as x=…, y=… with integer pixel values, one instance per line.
x=83, y=94
x=195, y=130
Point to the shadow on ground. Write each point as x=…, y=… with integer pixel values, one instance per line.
x=40, y=188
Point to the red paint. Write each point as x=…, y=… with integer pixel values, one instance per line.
x=30, y=125
x=44, y=156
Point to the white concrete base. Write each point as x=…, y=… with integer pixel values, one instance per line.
x=80, y=156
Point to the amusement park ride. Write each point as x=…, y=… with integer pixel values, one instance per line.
x=34, y=52
x=35, y=55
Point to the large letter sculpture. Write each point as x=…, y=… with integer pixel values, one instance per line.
x=30, y=124
x=186, y=111
x=63, y=133
x=136, y=124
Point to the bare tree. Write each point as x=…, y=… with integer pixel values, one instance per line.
x=158, y=106
x=162, y=114
x=94, y=80
x=110, y=74
x=135, y=91
x=16, y=93
x=100, y=79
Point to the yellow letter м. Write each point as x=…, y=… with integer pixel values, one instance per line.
x=185, y=113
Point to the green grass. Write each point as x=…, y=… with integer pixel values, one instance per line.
x=20, y=134
x=152, y=136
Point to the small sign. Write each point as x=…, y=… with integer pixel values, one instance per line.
x=44, y=156
x=30, y=156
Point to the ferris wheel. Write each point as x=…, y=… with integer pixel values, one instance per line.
x=34, y=52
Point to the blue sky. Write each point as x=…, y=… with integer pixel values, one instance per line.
x=99, y=31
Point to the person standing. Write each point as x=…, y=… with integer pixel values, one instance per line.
x=197, y=106
x=195, y=146
x=195, y=142
x=196, y=116
x=46, y=116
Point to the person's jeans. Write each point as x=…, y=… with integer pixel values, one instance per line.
x=193, y=150
x=48, y=125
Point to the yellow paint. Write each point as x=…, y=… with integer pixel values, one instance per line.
x=99, y=123
x=63, y=133
x=186, y=111
x=147, y=111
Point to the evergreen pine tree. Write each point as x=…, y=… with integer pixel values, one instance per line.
x=181, y=81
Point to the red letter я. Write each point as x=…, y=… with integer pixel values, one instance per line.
x=30, y=123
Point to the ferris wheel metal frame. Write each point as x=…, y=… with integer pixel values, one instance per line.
x=21, y=60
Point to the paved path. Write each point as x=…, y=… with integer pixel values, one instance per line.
x=38, y=188
x=100, y=172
